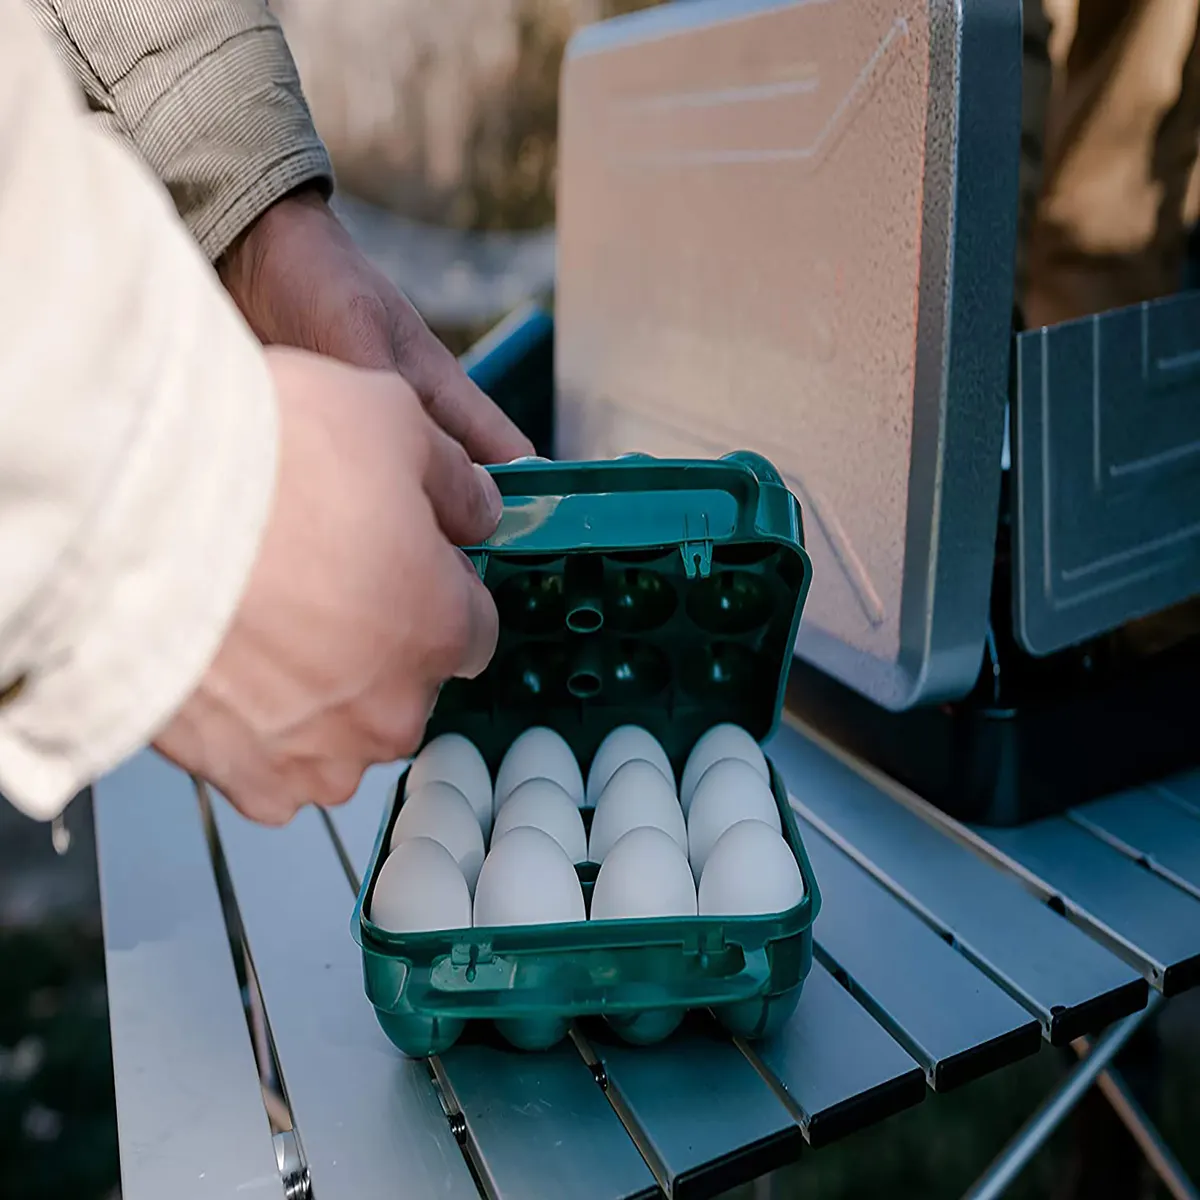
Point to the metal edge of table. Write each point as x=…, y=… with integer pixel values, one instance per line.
x=1072, y=984
x=366, y=1118
x=501, y=1094
x=1143, y=918
x=190, y=1117
x=850, y=1090
x=945, y=1012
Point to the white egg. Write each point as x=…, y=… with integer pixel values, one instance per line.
x=420, y=888
x=539, y=753
x=542, y=804
x=441, y=812
x=636, y=795
x=721, y=741
x=527, y=879
x=455, y=759
x=623, y=744
x=730, y=791
x=645, y=874
x=750, y=871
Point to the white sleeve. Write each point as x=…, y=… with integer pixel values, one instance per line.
x=138, y=438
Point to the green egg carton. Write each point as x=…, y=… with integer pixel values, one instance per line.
x=659, y=592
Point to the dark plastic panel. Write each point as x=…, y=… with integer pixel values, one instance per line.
x=1107, y=512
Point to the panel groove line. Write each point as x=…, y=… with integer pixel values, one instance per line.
x=835, y=1067
x=540, y=1127
x=1107, y=499
x=709, y=1119
x=944, y=1011
x=1150, y=830
x=370, y=1121
x=190, y=1118
x=538, y=1124
x=1069, y=982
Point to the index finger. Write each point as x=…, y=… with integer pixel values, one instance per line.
x=454, y=400
x=469, y=414
x=464, y=496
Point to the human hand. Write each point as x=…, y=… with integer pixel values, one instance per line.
x=360, y=604
x=300, y=280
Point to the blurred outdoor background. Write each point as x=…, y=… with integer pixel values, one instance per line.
x=441, y=118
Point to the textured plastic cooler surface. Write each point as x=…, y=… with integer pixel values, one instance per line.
x=772, y=235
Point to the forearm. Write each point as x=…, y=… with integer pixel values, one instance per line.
x=137, y=443
x=207, y=92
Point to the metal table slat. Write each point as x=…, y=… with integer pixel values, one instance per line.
x=191, y=1121
x=369, y=1121
x=504, y=1095
x=839, y=1069
x=1072, y=984
x=1144, y=826
x=709, y=1119
x=540, y=1127
x=945, y=1012
x=1150, y=921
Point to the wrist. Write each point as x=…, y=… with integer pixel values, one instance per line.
x=308, y=197
x=246, y=267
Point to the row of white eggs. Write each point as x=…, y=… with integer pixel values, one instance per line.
x=627, y=793
x=725, y=820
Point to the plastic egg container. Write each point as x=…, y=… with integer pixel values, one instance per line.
x=542, y=848
x=592, y=827
x=661, y=631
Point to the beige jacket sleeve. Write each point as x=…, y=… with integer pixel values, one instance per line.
x=137, y=442
x=208, y=93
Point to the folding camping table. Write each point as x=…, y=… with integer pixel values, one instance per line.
x=941, y=955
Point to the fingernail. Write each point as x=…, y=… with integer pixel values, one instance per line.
x=491, y=493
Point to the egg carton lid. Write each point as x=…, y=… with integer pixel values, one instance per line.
x=660, y=592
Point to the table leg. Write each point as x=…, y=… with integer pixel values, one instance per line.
x=1125, y=1105
x=1033, y=1135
